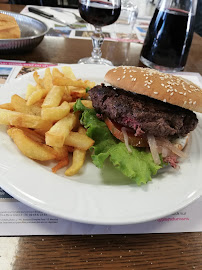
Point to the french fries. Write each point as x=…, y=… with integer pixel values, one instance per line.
x=29, y=147
x=43, y=126
x=53, y=97
x=19, y=105
x=59, y=131
x=56, y=113
x=78, y=158
x=79, y=140
x=19, y=119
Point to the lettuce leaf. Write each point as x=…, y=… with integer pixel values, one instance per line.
x=138, y=165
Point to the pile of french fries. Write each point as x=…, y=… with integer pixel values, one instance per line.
x=43, y=125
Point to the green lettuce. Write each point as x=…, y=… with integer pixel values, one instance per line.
x=137, y=165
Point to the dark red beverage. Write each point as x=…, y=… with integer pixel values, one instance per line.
x=169, y=38
x=99, y=13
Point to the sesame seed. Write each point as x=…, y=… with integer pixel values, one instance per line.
x=164, y=100
x=118, y=79
x=185, y=102
x=163, y=84
x=194, y=102
x=185, y=94
x=171, y=94
x=123, y=76
x=156, y=93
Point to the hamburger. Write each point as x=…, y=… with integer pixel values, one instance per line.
x=149, y=113
x=9, y=29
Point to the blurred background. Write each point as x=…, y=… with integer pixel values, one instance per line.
x=145, y=7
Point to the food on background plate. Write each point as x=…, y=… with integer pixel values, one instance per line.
x=9, y=28
x=43, y=125
x=141, y=122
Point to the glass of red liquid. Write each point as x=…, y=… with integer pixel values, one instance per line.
x=169, y=35
x=98, y=13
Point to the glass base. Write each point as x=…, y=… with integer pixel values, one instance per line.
x=158, y=67
x=90, y=60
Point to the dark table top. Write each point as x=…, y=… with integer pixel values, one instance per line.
x=144, y=251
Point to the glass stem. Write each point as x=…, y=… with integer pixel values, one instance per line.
x=97, y=40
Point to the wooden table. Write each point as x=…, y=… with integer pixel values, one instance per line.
x=146, y=251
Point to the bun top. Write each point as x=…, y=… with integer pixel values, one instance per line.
x=162, y=86
x=9, y=28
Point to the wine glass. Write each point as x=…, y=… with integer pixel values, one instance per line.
x=98, y=13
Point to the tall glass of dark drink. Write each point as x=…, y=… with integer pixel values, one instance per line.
x=169, y=35
x=98, y=13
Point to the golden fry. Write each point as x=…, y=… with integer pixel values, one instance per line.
x=19, y=105
x=30, y=89
x=59, y=131
x=63, y=81
x=54, y=97
x=68, y=73
x=47, y=80
x=30, y=148
x=78, y=158
x=55, y=113
x=36, y=96
x=57, y=73
x=66, y=97
x=61, y=152
x=23, y=120
x=37, y=79
x=78, y=140
x=32, y=134
x=7, y=106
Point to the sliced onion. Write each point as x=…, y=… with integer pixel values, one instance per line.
x=153, y=149
x=167, y=144
x=125, y=136
x=164, y=152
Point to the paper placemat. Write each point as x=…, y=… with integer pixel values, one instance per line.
x=115, y=32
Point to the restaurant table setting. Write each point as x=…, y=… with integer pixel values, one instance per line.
x=66, y=23
x=95, y=202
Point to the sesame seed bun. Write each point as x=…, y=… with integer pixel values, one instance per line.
x=9, y=28
x=165, y=87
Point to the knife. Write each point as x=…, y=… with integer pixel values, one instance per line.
x=78, y=18
x=49, y=16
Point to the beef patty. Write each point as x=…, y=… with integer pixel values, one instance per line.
x=141, y=113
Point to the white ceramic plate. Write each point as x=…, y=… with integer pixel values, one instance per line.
x=96, y=196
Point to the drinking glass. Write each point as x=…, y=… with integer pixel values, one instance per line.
x=98, y=13
x=169, y=35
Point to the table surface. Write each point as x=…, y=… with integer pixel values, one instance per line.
x=144, y=251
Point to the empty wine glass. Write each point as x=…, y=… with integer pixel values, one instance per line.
x=98, y=13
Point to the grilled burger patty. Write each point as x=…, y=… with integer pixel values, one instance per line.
x=141, y=113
